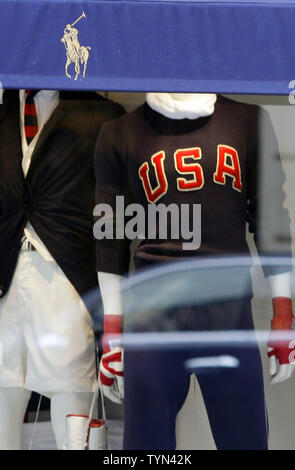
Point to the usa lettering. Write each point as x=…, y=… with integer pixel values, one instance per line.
x=187, y=163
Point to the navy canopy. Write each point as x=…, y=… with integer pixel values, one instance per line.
x=136, y=45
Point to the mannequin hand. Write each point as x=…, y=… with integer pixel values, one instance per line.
x=281, y=353
x=111, y=374
x=112, y=361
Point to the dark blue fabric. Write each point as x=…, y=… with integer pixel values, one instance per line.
x=157, y=382
x=236, y=47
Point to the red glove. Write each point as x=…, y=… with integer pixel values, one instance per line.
x=283, y=350
x=111, y=364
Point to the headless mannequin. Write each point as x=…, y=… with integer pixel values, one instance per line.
x=191, y=106
x=14, y=402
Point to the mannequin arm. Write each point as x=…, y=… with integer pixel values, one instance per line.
x=110, y=292
x=111, y=364
x=280, y=285
x=280, y=365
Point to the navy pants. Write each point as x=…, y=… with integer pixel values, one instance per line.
x=157, y=382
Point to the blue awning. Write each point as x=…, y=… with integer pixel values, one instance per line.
x=205, y=46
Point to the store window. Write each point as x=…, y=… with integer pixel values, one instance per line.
x=146, y=226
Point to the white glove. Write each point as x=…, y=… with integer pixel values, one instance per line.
x=281, y=353
x=111, y=364
x=111, y=374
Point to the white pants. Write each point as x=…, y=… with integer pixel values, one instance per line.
x=13, y=404
x=46, y=337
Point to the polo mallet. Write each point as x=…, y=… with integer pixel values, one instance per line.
x=78, y=19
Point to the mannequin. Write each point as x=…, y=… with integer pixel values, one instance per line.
x=13, y=405
x=177, y=107
x=46, y=329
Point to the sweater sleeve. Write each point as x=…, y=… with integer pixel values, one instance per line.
x=267, y=215
x=112, y=195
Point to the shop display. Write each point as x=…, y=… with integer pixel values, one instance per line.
x=217, y=161
x=47, y=253
x=179, y=149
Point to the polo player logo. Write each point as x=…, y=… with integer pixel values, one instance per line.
x=76, y=53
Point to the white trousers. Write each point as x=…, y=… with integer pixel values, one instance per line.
x=46, y=345
x=46, y=336
x=13, y=404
